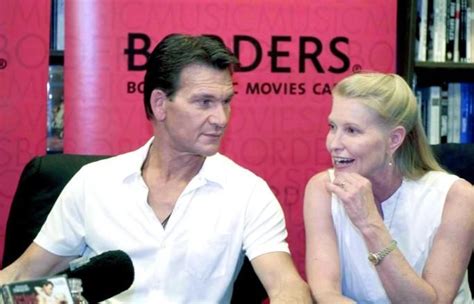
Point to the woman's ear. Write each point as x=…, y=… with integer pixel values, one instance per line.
x=157, y=103
x=397, y=135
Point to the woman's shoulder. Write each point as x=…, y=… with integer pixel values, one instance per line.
x=435, y=180
x=316, y=196
x=320, y=178
x=461, y=194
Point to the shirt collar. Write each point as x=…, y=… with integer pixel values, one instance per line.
x=211, y=171
x=134, y=160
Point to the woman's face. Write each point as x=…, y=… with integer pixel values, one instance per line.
x=357, y=139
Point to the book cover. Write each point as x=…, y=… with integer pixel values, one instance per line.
x=471, y=112
x=422, y=11
x=465, y=136
x=469, y=31
x=430, y=32
x=439, y=26
x=444, y=114
x=462, y=31
x=450, y=29
x=456, y=31
x=53, y=290
x=455, y=119
x=434, y=115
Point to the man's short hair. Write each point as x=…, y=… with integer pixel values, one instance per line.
x=46, y=283
x=177, y=51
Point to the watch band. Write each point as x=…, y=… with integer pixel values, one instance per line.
x=377, y=257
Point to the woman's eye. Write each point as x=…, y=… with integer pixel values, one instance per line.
x=351, y=130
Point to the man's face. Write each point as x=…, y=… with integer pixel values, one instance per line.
x=48, y=289
x=196, y=117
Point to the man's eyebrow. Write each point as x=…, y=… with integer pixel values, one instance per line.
x=212, y=96
x=204, y=95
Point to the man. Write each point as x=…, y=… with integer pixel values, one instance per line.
x=184, y=213
x=45, y=294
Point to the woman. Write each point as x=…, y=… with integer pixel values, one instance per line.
x=386, y=223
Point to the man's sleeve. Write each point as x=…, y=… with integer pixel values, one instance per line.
x=63, y=231
x=265, y=229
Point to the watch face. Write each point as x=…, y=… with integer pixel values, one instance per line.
x=373, y=259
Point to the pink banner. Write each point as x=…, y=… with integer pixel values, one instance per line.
x=24, y=55
x=291, y=55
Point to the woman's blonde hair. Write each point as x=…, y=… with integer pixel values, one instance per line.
x=391, y=97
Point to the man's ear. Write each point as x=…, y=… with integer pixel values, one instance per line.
x=397, y=135
x=157, y=103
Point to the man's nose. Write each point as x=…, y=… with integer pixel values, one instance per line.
x=220, y=115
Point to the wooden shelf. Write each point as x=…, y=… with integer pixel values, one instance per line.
x=437, y=73
x=444, y=65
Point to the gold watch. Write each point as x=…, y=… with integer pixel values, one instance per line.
x=377, y=257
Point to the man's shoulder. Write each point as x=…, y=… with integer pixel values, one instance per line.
x=228, y=171
x=230, y=166
x=116, y=165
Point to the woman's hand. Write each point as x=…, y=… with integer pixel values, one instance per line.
x=355, y=192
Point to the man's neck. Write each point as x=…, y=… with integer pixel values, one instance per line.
x=168, y=166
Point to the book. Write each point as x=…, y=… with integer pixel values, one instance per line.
x=430, y=105
x=48, y=290
x=434, y=115
x=454, y=112
x=470, y=31
x=450, y=29
x=444, y=114
x=471, y=112
x=456, y=31
x=465, y=132
x=422, y=11
x=430, y=31
x=439, y=30
x=462, y=31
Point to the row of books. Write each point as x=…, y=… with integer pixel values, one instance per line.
x=447, y=112
x=445, y=30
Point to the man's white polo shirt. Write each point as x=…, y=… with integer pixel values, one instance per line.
x=224, y=212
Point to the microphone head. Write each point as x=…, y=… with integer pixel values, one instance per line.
x=105, y=275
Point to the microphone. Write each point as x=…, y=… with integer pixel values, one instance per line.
x=103, y=276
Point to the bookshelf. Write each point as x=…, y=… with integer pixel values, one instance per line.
x=428, y=73
x=55, y=86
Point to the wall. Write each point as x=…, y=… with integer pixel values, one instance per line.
x=292, y=56
x=278, y=124
x=24, y=55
